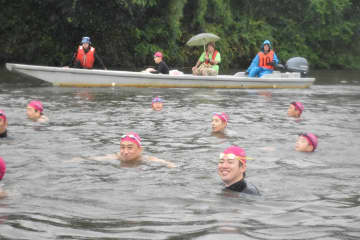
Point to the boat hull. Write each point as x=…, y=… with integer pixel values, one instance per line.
x=73, y=77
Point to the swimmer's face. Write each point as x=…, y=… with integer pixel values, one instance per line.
x=302, y=145
x=230, y=170
x=32, y=113
x=157, y=106
x=217, y=124
x=293, y=112
x=3, y=125
x=129, y=151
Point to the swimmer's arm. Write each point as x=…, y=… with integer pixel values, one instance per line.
x=155, y=159
x=3, y=194
x=97, y=158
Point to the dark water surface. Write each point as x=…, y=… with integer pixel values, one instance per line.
x=304, y=195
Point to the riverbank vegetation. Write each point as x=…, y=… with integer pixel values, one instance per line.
x=126, y=33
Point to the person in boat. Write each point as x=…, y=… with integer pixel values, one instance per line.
x=131, y=153
x=161, y=67
x=208, y=63
x=85, y=56
x=264, y=61
x=3, y=124
x=35, y=112
x=306, y=142
x=295, y=109
x=2, y=173
x=157, y=104
x=219, y=124
x=231, y=169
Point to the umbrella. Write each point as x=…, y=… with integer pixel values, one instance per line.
x=202, y=39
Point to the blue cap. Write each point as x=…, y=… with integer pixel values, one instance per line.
x=85, y=40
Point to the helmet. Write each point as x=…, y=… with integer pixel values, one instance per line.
x=85, y=40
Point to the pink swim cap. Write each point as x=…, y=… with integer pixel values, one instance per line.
x=158, y=54
x=37, y=105
x=223, y=116
x=299, y=106
x=237, y=151
x=2, y=115
x=311, y=138
x=131, y=137
x=2, y=168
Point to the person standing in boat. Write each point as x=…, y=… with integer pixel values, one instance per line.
x=208, y=63
x=264, y=61
x=3, y=125
x=161, y=65
x=85, y=56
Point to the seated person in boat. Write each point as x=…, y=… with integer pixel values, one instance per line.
x=208, y=63
x=161, y=65
x=157, y=104
x=131, y=153
x=264, y=61
x=35, y=110
x=306, y=142
x=219, y=124
x=85, y=56
x=295, y=109
x=2, y=173
x=3, y=125
x=231, y=169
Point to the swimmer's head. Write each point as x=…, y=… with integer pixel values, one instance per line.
x=2, y=168
x=295, y=109
x=34, y=110
x=232, y=165
x=219, y=122
x=130, y=147
x=2, y=115
x=157, y=103
x=306, y=142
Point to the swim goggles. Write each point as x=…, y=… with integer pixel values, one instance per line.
x=232, y=156
x=157, y=99
x=132, y=137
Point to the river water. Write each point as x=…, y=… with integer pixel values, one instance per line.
x=304, y=195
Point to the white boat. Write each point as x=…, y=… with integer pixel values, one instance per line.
x=73, y=77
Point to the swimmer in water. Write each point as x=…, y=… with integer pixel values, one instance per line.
x=295, y=109
x=131, y=153
x=219, y=124
x=3, y=125
x=2, y=173
x=306, y=142
x=34, y=112
x=157, y=104
x=231, y=169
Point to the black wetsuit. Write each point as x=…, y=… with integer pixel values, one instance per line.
x=244, y=187
x=75, y=63
x=161, y=68
x=4, y=134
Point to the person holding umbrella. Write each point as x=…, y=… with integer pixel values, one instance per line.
x=208, y=63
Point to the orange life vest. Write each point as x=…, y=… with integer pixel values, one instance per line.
x=86, y=60
x=213, y=57
x=264, y=59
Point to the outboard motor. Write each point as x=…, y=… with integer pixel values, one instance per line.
x=297, y=64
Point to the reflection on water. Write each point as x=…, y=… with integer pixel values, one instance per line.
x=304, y=196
